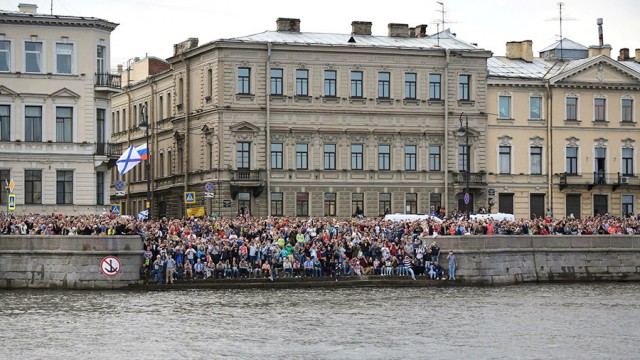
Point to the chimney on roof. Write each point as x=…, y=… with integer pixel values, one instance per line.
x=601, y=48
x=182, y=47
x=360, y=28
x=288, y=24
x=624, y=55
x=421, y=31
x=412, y=32
x=28, y=8
x=119, y=69
x=522, y=50
x=600, y=35
x=398, y=30
x=637, y=59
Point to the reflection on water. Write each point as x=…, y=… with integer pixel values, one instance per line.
x=523, y=322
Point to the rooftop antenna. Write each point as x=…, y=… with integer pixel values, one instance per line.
x=51, y=7
x=560, y=18
x=442, y=12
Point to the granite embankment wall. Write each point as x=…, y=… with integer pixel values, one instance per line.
x=68, y=261
x=74, y=261
x=517, y=259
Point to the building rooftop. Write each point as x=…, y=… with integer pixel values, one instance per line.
x=566, y=45
x=23, y=18
x=502, y=66
x=443, y=40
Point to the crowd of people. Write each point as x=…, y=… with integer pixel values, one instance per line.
x=243, y=247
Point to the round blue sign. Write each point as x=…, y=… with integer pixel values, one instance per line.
x=209, y=187
x=120, y=185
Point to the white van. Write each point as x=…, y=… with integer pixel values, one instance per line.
x=410, y=217
x=497, y=217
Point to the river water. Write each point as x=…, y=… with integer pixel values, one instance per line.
x=553, y=321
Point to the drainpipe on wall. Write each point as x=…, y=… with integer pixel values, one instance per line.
x=151, y=115
x=268, y=130
x=186, y=123
x=129, y=106
x=549, y=147
x=446, y=132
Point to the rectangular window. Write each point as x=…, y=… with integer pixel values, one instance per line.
x=356, y=84
x=180, y=95
x=100, y=59
x=33, y=57
x=33, y=186
x=5, y=177
x=384, y=203
x=330, y=77
x=384, y=85
x=410, y=81
x=410, y=157
x=572, y=108
x=64, y=187
x=302, y=156
x=434, y=158
x=463, y=158
x=572, y=160
x=160, y=108
x=169, y=163
x=101, y=128
x=302, y=82
x=411, y=206
x=536, y=160
x=276, y=81
x=434, y=87
x=329, y=156
x=535, y=108
x=504, y=107
x=243, y=155
x=329, y=204
x=505, y=159
x=627, y=110
x=357, y=204
x=627, y=205
x=356, y=156
x=244, y=80
x=100, y=188
x=384, y=157
x=277, y=204
x=64, y=118
x=5, y=56
x=599, y=109
x=465, y=81
x=209, y=89
x=64, y=58
x=435, y=202
x=134, y=116
x=276, y=156
x=302, y=204
x=161, y=169
x=5, y=123
x=627, y=162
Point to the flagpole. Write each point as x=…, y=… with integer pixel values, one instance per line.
x=145, y=124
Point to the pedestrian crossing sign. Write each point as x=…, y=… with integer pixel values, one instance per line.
x=115, y=209
x=12, y=202
x=190, y=197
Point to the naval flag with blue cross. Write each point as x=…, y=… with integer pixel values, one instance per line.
x=128, y=160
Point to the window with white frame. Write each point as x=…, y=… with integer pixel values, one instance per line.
x=302, y=82
x=599, y=109
x=277, y=77
x=33, y=123
x=627, y=205
x=330, y=77
x=572, y=160
x=5, y=122
x=302, y=156
x=464, y=82
x=536, y=160
x=627, y=110
x=33, y=57
x=356, y=84
x=64, y=124
x=101, y=64
x=64, y=58
x=64, y=187
x=410, y=152
x=434, y=86
x=5, y=55
x=384, y=157
x=384, y=85
x=504, y=156
x=627, y=161
x=572, y=108
x=504, y=107
x=410, y=86
x=434, y=158
x=244, y=80
x=535, y=108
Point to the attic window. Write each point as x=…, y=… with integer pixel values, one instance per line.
x=352, y=40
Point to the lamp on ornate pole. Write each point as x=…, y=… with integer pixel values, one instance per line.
x=465, y=131
x=145, y=126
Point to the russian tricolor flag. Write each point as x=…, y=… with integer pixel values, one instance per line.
x=143, y=151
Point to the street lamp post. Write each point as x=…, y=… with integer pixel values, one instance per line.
x=465, y=130
x=145, y=126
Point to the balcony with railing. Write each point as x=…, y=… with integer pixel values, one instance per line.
x=475, y=179
x=108, y=82
x=246, y=176
x=108, y=149
x=593, y=179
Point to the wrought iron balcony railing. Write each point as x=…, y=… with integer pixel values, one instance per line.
x=108, y=80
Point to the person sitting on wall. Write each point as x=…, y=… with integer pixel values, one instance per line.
x=198, y=270
x=439, y=270
x=188, y=271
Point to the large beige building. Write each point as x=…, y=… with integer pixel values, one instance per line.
x=562, y=131
x=55, y=91
x=293, y=123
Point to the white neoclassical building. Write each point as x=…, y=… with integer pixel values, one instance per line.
x=55, y=101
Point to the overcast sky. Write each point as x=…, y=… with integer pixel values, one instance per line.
x=153, y=26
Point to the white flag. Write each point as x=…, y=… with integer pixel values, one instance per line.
x=128, y=160
x=142, y=215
